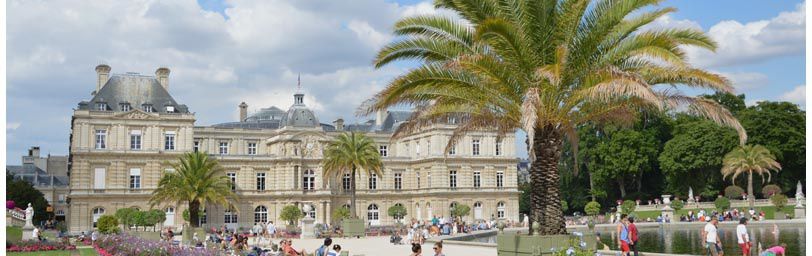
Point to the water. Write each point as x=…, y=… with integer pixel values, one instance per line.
x=688, y=241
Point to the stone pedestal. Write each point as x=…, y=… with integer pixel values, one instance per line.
x=28, y=233
x=800, y=213
x=668, y=214
x=308, y=228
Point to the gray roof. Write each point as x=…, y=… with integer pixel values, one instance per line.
x=136, y=90
x=35, y=175
x=393, y=119
x=266, y=118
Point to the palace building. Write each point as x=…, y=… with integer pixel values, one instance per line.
x=123, y=138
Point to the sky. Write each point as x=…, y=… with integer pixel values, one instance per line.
x=222, y=53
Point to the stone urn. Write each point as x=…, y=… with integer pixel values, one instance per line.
x=590, y=223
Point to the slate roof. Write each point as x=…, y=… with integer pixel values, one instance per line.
x=137, y=90
x=35, y=175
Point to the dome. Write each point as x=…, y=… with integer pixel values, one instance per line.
x=299, y=115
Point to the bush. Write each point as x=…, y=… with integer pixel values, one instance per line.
x=564, y=206
x=341, y=213
x=734, y=192
x=677, y=205
x=628, y=206
x=770, y=190
x=125, y=216
x=722, y=203
x=62, y=227
x=108, y=224
x=153, y=217
x=592, y=208
x=779, y=200
x=291, y=214
x=396, y=211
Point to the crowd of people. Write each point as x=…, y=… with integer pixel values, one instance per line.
x=728, y=215
x=418, y=230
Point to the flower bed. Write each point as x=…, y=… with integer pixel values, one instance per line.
x=124, y=244
x=37, y=246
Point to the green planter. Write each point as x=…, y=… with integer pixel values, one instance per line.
x=353, y=227
x=525, y=245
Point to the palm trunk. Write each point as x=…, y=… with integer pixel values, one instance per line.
x=194, y=207
x=591, y=186
x=546, y=199
x=751, y=198
x=352, y=201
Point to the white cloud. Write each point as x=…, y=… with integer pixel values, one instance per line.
x=797, y=95
x=369, y=35
x=10, y=126
x=745, y=81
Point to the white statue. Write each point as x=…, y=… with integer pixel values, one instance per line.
x=690, y=194
x=799, y=196
x=307, y=208
x=29, y=215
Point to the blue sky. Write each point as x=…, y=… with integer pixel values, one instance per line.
x=253, y=51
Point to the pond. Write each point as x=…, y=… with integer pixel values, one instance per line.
x=686, y=240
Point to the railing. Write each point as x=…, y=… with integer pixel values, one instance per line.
x=15, y=217
x=711, y=205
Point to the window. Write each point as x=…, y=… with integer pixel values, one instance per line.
x=125, y=107
x=169, y=141
x=500, y=179
x=417, y=174
x=478, y=210
x=345, y=182
x=196, y=146
x=135, y=140
x=452, y=150
x=373, y=182
x=477, y=179
x=398, y=181
x=230, y=216
x=203, y=218
x=97, y=213
x=500, y=209
x=475, y=147
x=224, y=148
x=101, y=106
x=372, y=213
x=261, y=181
x=383, y=150
x=101, y=139
x=252, y=148
x=61, y=198
x=428, y=147
x=309, y=180
x=170, y=109
x=312, y=212
x=135, y=178
x=452, y=179
x=498, y=147
x=233, y=177
x=60, y=213
x=428, y=178
x=417, y=148
x=148, y=108
x=99, y=177
x=260, y=214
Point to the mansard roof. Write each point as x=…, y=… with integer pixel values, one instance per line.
x=136, y=90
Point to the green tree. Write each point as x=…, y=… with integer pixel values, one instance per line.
x=545, y=67
x=460, y=210
x=733, y=192
x=749, y=159
x=734, y=103
x=770, y=190
x=108, y=224
x=622, y=154
x=291, y=214
x=124, y=216
x=154, y=217
x=197, y=180
x=779, y=201
x=341, y=213
x=139, y=219
x=677, y=205
x=565, y=206
x=628, y=206
x=722, y=203
x=396, y=211
x=22, y=193
x=350, y=153
x=592, y=208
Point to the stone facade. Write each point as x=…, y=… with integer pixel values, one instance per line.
x=274, y=158
x=49, y=176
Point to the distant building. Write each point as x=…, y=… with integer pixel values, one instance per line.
x=523, y=171
x=49, y=175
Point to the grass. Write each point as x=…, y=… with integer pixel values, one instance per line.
x=769, y=212
x=83, y=252
x=14, y=234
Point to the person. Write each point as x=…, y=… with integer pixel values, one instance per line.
x=396, y=238
x=322, y=250
x=633, y=236
x=289, y=250
x=743, y=237
x=775, y=250
x=271, y=229
x=94, y=236
x=416, y=250
x=623, y=240
x=336, y=251
x=438, y=248
x=435, y=221
x=170, y=235
x=710, y=235
x=195, y=239
x=752, y=213
x=35, y=234
x=255, y=230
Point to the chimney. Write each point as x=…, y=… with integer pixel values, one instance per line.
x=243, y=111
x=379, y=117
x=162, y=74
x=339, y=123
x=34, y=151
x=102, y=74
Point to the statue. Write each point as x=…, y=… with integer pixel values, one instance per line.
x=690, y=194
x=29, y=216
x=799, y=196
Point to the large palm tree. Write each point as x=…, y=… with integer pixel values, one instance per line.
x=749, y=159
x=546, y=67
x=196, y=180
x=348, y=154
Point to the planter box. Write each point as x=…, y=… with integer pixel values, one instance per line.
x=353, y=227
x=525, y=245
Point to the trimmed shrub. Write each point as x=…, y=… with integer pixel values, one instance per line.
x=628, y=206
x=770, y=190
x=779, y=201
x=460, y=210
x=722, y=203
x=396, y=211
x=108, y=224
x=341, y=213
x=677, y=205
x=734, y=192
x=291, y=214
x=592, y=208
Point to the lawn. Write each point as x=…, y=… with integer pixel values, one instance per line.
x=14, y=234
x=83, y=252
x=769, y=212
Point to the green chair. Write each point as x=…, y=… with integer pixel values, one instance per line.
x=345, y=253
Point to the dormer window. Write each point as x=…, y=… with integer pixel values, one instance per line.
x=148, y=108
x=125, y=107
x=170, y=109
x=101, y=106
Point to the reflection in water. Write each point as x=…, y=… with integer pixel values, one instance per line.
x=687, y=241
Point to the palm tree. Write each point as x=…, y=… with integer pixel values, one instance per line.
x=196, y=180
x=349, y=153
x=545, y=67
x=749, y=159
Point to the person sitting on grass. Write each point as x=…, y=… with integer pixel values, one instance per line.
x=775, y=250
x=287, y=247
x=336, y=251
x=323, y=249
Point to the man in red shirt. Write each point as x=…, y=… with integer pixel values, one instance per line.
x=633, y=236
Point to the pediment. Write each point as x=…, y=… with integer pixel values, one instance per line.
x=137, y=114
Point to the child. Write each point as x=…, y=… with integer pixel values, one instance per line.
x=336, y=251
x=775, y=250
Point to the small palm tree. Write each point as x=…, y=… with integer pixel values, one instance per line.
x=197, y=180
x=349, y=153
x=749, y=159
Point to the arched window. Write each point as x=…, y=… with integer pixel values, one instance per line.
x=417, y=211
x=428, y=209
x=399, y=218
x=373, y=214
x=478, y=210
x=170, y=216
x=500, y=209
x=261, y=214
x=309, y=180
x=230, y=216
x=97, y=212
